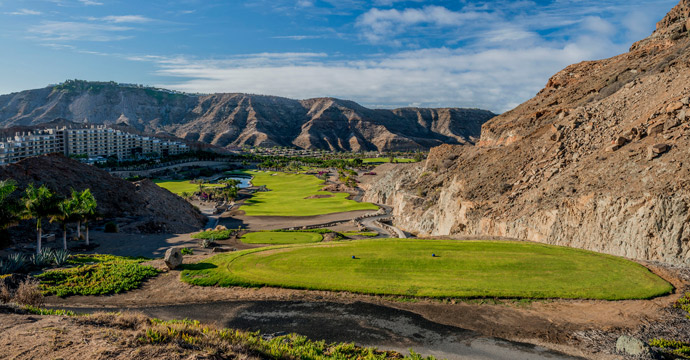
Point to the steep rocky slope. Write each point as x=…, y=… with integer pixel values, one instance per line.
x=146, y=206
x=239, y=119
x=597, y=160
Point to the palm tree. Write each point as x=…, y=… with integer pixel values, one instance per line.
x=38, y=203
x=67, y=211
x=86, y=209
x=9, y=207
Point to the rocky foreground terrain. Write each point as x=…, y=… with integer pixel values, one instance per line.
x=597, y=160
x=141, y=206
x=232, y=120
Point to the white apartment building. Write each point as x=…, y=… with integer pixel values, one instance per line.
x=92, y=142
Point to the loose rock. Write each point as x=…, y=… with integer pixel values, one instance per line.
x=673, y=107
x=173, y=258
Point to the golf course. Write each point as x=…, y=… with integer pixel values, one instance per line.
x=281, y=238
x=182, y=186
x=434, y=268
x=296, y=195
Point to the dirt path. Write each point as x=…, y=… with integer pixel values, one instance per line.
x=236, y=218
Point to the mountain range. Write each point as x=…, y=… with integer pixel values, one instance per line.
x=235, y=120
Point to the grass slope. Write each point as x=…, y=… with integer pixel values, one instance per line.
x=180, y=186
x=289, y=193
x=281, y=238
x=461, y=269
x=386, y=160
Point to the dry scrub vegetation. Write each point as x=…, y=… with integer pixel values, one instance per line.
x=130, y=335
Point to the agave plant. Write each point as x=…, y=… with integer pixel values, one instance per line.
x=60, y=257
x=42, y=259
x=12, y=263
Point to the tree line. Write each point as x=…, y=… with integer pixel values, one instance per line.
x=41, y=203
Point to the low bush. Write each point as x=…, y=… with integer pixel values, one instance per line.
x=673, y=347
x=214, y=234
x=684, y=303
x=41, y=311
x=208, y=243
x=111, y=227
x=98, y=275
x=187, y=251
x=28, y=293
x=5, y=293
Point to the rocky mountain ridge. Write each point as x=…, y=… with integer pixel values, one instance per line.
x=597, y=160
x=234, y=120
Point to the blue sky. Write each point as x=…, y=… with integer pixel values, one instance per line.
x=381, y=53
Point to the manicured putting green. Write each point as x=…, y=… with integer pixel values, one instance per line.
x=296, y=195
x=459, y=269
x=181, y=186
x=281, y=238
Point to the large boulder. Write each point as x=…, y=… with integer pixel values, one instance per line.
x=173, y=258
x=631, y=346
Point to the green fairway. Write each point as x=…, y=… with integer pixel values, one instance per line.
x=385, y=160
x=281, y=238
x=290, y=196
x=461, y=269
x=181, y=186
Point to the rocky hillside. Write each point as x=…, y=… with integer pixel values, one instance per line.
x=597, y=160
x=242, y=119
x=141, y=207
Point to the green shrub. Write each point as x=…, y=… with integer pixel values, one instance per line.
x=100, y=275
x=684, y=303
x=678, y=348
x=187, y=251
x=41, y=311
x=214, y=234
x=111, y=227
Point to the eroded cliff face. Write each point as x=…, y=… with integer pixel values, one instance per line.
x=653, y=227
x=597, y=160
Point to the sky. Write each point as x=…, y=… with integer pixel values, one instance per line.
x=491, y=55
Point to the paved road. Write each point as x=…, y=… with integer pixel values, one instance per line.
x=362, y=323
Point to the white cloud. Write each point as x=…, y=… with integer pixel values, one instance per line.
x=90, y=2
x=24, y=12
x=297, y=37
x=495, y=79
x=78, y=31
x=124, y=19
x=379, y=25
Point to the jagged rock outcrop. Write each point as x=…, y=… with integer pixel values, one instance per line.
x=597, y=160
x=232, y=120
x=144, y=205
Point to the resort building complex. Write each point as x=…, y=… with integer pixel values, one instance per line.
x=94, y=142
